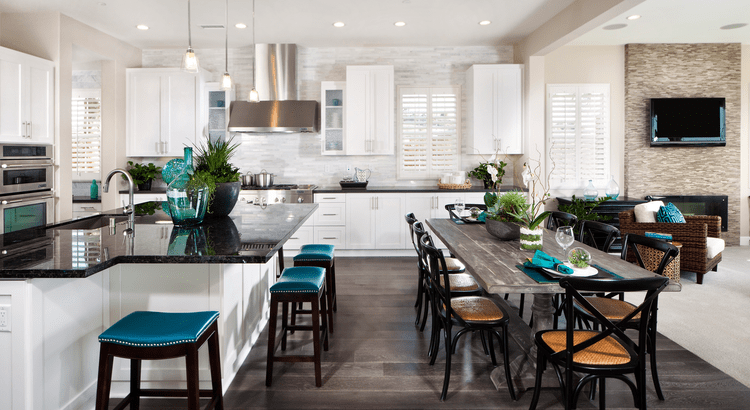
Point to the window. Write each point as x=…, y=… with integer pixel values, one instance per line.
x=578, y=134
x=429, y=127
x=86, y=108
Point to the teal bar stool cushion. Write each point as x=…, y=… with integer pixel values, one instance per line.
x=146, y=329
x=315, y=252
x=300, y=279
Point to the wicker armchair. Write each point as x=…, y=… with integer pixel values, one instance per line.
x=692, y=235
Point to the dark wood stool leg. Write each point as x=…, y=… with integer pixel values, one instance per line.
x=284, y=324
x=333, y=282
x=104, y=381
x=316, y=341
x=324, y=328
x=191, y=365
x=271, y=339
x=214, y=360
x=135, y=384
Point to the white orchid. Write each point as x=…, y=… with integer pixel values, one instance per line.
x=492, y=170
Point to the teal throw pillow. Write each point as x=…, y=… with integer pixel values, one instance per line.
x=670, y=214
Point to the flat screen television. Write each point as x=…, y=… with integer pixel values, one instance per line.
x=688, y=121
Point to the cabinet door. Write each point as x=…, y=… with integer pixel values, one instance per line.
x=509, y=106
x=357, y=111
x=11, y=101
x=144, y=114
x=41, y=103
x=180, y=112
x=360, y=221
x=382, y=141
x=333, y=114
x=481, y=110
x=389, y=212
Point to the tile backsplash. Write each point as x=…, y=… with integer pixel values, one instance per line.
x=296, y=158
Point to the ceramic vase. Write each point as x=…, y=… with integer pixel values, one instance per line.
x=531, y=239
x=505, y=231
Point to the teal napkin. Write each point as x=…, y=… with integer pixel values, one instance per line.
x=542, y=260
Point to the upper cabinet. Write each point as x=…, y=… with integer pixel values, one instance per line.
x=164, y=111
x=333, y=113
x=26, y=98
x=369, y=110
x=495, y=109
x=218, y=110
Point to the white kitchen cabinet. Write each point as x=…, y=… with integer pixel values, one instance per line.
x=218, y=111
x=329, y=220
x=369, y=110
x=429, y=205
x=140, y=198
x=374, y=221
x=164, y=111
x=494, y=108
x=84, y=209
x=26, y=98
x=303, y=236
x=333, y=112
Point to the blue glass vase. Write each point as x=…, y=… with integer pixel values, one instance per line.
x=590, y=193
x=187, y=196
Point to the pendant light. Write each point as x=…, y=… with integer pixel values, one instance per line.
x=254, y=96
x=189, y=60
x=226, y=79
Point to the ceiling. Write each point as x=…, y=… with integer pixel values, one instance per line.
x=371, y=22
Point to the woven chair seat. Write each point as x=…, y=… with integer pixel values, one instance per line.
x=606, y=352
x=454, y=265
x=461, y=282
x=476, y=309
x=612, y=309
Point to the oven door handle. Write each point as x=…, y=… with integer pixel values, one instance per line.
x=4, y=202
x=27, y=165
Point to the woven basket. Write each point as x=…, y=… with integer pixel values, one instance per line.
x=465, y=185
x=652, y=258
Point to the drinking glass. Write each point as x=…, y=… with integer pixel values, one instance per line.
x=458, y=205
x=564, y=237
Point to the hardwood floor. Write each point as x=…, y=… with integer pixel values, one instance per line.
x=378, y=359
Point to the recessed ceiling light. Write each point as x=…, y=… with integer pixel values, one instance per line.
x=634, y=17
x=399, y=24
x=339, y=24
x=485, y=23
x=615, y=26
x=240, y=25
x=142, y=27
x=733, y=26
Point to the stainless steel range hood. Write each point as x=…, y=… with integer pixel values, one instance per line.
x=279, y=111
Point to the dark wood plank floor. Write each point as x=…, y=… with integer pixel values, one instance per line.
x=378, y=359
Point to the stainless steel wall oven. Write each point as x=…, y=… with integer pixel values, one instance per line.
x=26, y=186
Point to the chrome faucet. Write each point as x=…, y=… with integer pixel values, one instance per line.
x=129, y=208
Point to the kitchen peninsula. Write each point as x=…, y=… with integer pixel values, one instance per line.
x=66, y=283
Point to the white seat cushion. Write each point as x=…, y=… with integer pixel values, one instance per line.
x=714, y=246
x=646, y=213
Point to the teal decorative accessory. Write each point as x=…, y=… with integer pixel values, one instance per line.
x=542, y=260
x=612, y=190
x=170, y=171
x=187, y=195
x=94, y=191
x=670, y=214
x=590, y=193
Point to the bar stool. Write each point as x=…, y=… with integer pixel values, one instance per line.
x=320, y=255
x=296, y=285
x=156, y=336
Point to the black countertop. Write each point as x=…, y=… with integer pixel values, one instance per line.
x=85, y=200
x=83, y=247
x=381, y=190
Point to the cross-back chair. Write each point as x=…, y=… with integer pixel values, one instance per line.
x=557, y=219
x=598, y=235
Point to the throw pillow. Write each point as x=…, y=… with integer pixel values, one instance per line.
x=670, y=214
x=646, y=212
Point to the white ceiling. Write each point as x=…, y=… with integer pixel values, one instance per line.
x=370, y=22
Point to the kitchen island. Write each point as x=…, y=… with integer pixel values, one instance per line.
x=65, y=283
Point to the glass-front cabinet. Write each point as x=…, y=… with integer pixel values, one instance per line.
x=333, y=117
x=218, y=110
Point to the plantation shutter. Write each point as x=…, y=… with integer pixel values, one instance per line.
x=429, y=130
x=86, y=108
x=578, y=134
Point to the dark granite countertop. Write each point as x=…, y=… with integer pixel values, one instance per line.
x=401, y=190
x=83, y=247
x=161, y=190
x=85, y=200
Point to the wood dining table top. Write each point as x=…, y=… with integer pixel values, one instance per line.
x=493, y=262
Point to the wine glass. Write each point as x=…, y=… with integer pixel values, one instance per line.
x=564, y=237
x=458, y=205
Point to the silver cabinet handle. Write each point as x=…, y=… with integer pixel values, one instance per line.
x=293, y=237
x=28, y=131
x=88, y=208
x=330, y=214
x=330, y=237
x=329, y=198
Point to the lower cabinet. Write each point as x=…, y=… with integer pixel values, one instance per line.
x=84, y=209
x=139, y=198
x=375, y=221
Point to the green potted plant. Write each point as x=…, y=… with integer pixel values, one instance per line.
x=490, y=173
x=500, y=221
x=212, y=165
x=584, y=210
x=143, y=175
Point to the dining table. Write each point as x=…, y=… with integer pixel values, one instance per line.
x=494, y=265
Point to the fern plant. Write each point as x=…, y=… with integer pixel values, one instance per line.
x=212, y=158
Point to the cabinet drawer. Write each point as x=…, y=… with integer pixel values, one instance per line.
x=89, y=207
x=330, y=214
x=141, y=198
x=303, y=236
x=334, y=235
x=323, y=198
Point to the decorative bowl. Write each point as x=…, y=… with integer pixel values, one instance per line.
x=505, y=231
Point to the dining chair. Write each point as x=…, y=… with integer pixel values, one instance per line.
x=644, y=250
x=468, y=313
x=599, y=354
x=557, y=219
x=598, y=235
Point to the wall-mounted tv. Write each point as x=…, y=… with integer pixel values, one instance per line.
x=688, y=121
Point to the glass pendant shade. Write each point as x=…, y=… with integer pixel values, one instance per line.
x=226, y=82
x=189, y=61
x=254, y=96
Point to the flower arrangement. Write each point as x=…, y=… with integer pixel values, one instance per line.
x=490, y=172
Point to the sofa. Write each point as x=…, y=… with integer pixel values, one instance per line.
x=700, y=253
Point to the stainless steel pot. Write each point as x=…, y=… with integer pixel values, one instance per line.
x=248, y=179
x=263, y=179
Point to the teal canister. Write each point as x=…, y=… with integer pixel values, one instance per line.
x=94, y=190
